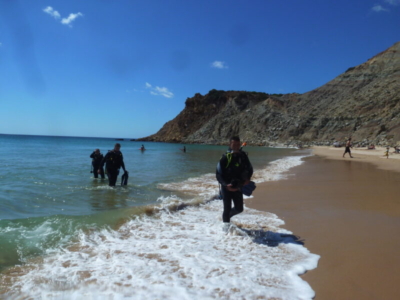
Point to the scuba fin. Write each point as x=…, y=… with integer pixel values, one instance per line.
x=124, y=178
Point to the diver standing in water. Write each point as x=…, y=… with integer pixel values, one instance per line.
x=114, y=161
x=97, y=157
x=234, y=170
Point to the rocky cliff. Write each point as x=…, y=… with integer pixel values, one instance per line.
x=363, y=102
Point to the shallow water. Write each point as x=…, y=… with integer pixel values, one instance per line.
x=73, y=234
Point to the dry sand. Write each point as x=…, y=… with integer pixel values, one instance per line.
x=347, y=211
x=375, y=157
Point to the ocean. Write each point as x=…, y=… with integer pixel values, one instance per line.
x=66, y=235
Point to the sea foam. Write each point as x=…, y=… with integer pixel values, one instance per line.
x=180, y=255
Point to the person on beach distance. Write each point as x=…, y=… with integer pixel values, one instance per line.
x=348, y=146
x=234, y=170
x=97, y=157
x=386, y=152
x=114, y=161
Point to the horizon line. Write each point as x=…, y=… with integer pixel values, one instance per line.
x=69, y=136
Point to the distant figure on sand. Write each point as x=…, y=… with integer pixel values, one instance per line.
x=114, y=161
x=97, y=157
x=348, y=146
x=371, y=147
x=234, y=170
x=386, y=152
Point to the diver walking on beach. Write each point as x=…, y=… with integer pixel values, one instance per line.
x=348, y=146
x=97, y=157
x=234, y=170
x=114, y=161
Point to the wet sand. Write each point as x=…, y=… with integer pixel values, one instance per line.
x=347, y=211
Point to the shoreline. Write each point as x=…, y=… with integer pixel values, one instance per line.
x=374, y=157
x=345, y=210
x=292, y=219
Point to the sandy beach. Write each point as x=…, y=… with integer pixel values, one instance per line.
x=375, y=157
x=348, y=211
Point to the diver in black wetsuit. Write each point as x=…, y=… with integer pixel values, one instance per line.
x=97, y=157
x=114, y=161
x=233, y=171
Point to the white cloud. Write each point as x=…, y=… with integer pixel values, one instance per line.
x=379, y=8
x=56, y=15
x=163, y=91
x=71, y=18
x=49, y=10
x=159, y=91
x=393, y=2
x=219, y=65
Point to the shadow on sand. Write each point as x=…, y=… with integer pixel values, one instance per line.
x=273, y=239
x=269, y=238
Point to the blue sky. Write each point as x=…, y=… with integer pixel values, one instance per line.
x=110, y=68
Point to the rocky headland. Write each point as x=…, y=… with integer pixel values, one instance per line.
x=362, y=103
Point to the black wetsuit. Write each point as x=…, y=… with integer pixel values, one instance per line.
x=114, y=161
x=96, y=162
x=235, y=169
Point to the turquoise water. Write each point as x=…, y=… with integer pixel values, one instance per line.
x=47, y=192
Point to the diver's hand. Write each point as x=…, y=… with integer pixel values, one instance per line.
x=231, y=189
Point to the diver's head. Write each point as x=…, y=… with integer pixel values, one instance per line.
x=117, y=146
x=235, y=144
x=97, y=151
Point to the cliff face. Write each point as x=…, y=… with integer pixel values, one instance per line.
x=363, y=102
x=202, y=112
